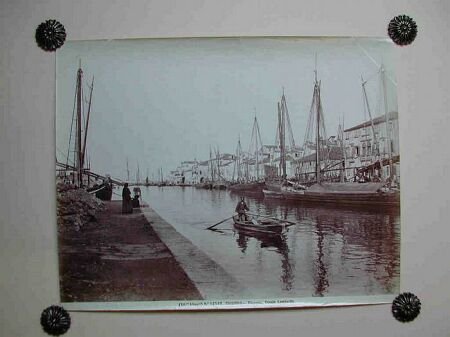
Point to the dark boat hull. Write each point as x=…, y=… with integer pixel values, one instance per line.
x=255, y=187
x=340, y=194
x=102, y=192
x=382, y=199
x=260, y=228
x=273, y=194
x=205, y=186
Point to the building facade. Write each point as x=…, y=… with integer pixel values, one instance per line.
x=371, y=142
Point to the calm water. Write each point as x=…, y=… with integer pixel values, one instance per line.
x=330, y=252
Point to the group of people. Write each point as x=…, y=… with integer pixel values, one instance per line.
x=129, y=203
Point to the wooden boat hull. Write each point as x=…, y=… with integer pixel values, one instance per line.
x=370, y=199
x=340, y=194
x=255, y=187
x=273, y=194
x=102, y=192
x=205, y=186
x=260, y=227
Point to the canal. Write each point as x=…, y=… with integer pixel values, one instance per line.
x=329, y=252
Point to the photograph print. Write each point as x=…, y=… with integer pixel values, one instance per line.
x=227, y=173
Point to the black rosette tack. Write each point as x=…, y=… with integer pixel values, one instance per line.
x=55, y=320
x=402, y=30
x=50, y=35
x=406, y=307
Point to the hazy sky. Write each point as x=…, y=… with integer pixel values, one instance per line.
x=161, y=101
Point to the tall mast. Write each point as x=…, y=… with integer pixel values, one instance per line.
x=138, y=175
x=260, y=146
x=239, y=154
x=256, y=148
x=237, y=162
x=317, y=99
x=218, y=163
x=281, y=119
x=366, y=100
x=211, y=164
x=341, y=135
x=283, y=133
x=388, y=136
x=255, y=141
x=128, y=172
x=87, y=123
x=79, y=160
x=279, y=138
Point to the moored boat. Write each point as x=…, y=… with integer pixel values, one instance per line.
x=341, y=193
x=103, y=191
x=250, y=187
x=272, y=194
x=77, y=171
x=358, y=192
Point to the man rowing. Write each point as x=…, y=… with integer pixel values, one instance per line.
x=241, y=207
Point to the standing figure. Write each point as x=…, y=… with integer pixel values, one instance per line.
x=137, y=195
x=127, y=206
x=241, y=207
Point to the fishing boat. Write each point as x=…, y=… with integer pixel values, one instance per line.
x=361, y=193
x=78, y=172
x=102, y=191
x=252, y=187
x=204, y=184
x=270, y=193
x=266, y=226
x=276, y=181
x=245, y=183
x=161, y=182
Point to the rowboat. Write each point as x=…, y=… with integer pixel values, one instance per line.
x=270, y=227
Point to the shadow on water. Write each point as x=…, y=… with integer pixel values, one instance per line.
x=277, y=243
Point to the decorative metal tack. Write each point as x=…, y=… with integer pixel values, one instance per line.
x=50, y=35
x=406, y=307
x=402, y=30
x=55, y=320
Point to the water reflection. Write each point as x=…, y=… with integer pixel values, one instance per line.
x=277, y=243
x=320, y=275
x=331, y=251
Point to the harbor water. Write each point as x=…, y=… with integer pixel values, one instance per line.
x=329, y=252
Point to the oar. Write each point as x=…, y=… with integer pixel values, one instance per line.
x=268, y=217
x=211, y=227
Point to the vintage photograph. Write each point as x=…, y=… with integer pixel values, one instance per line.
x=216, y=173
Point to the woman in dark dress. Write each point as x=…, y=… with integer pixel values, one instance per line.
x=127, y=206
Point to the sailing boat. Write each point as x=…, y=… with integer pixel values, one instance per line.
x=367, y=193
x=81, y=175
x=274, y=184
x=147, y=182
x=247, y=184
x=161, y=178
x=219, y=182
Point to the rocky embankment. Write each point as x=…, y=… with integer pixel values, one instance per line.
x=76, y=207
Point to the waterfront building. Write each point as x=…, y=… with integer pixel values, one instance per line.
x=371, y=142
